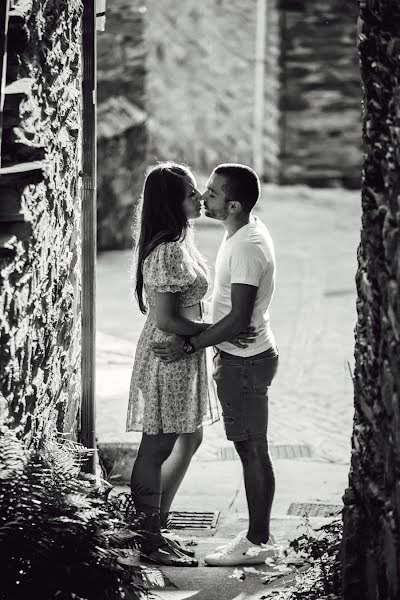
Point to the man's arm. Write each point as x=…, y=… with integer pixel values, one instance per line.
x=168, y=318
x=242, y=299
x=236, y=322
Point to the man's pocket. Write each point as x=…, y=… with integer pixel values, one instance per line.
x=262, y=373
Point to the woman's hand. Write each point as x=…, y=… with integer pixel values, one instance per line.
x=244, y=338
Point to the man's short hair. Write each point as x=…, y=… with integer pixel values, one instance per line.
x=242, y=184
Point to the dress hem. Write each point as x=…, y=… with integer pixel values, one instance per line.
x=203, y=424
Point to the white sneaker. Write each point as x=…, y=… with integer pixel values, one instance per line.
x=244, y=533
x=240, y=551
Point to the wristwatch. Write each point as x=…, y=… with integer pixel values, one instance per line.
x=188, y=347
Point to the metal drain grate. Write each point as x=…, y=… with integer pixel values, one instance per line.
x=312, y=509
x=281, y=451
x=193, y=520
x=227, y=453
x=291, y=451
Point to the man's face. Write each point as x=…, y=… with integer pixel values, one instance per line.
x=214, y=199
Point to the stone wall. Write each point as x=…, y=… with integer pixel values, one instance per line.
x=201, y=87
x=40, y=218
x=200, y=83
x=371, y=547
x=122, y=129
x=321, y=93
x=190, y=68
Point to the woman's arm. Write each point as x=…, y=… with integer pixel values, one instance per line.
x=168, y=318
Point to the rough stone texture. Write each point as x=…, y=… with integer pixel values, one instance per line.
x=122, y=129
x=200, y=83
x=371, y=548
x=190, y=67
x=40, y=273
x=201, y=87
x=121, y=155
x=321, y=94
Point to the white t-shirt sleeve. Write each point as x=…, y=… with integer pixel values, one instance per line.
x=247, y=264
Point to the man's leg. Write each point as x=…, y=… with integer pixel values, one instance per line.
x=242, y=385
x=259, y=482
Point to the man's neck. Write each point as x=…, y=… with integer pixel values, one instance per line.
x=233, y=226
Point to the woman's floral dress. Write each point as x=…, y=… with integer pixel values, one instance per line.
x=175, y=397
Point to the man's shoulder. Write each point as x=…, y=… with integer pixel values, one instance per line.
x=256, y=240
x=260, y=228
x=262, y=236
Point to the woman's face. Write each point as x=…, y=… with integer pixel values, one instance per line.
x=192, y=201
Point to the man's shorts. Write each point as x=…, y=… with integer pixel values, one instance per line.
x=242, y=387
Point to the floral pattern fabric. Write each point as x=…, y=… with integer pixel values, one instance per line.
x=175, y=397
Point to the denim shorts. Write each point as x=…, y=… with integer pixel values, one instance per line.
x=242, y=387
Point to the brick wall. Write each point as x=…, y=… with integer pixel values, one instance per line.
x=321, y=93
x=371, y=548
x=40, y=218
x=122, y=129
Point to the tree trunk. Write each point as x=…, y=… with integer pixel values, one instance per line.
x=371, y=541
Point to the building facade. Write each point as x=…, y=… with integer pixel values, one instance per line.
x=200, y=90
x=122, y=122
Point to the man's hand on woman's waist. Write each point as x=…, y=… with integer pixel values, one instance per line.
x=174, y=349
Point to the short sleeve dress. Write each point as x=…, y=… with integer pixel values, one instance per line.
x=175, y=397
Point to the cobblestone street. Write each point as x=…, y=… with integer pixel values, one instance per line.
x=316, y=234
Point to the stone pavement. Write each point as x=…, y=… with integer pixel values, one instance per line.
x=222, y=490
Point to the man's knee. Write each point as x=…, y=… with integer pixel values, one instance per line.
x=252, y=449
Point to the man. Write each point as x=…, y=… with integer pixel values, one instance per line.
x=244, y=286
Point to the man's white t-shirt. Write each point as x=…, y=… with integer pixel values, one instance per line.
x=247, y=257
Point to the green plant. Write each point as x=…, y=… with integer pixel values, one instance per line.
x=317, y=552
x=60, y=537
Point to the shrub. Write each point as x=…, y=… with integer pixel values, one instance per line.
x=318, y=553
x=60, y=537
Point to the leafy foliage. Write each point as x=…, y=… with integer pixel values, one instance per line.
x=318, y=551
x=60, y=537
x=321, y=548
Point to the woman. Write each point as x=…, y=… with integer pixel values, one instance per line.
x=168, y=402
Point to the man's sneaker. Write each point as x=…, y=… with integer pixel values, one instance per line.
x=240, y=551
x=244, y=533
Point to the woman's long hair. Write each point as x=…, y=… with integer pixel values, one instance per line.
x=162, y=217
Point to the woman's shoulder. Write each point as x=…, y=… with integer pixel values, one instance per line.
x=168, y=268
x=165, y=251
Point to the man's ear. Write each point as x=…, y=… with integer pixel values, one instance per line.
x=234, y=206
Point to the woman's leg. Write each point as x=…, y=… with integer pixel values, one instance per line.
x=175, y=467
x=153, y=451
